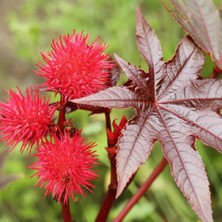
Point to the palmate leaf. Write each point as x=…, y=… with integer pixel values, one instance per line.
x=202, y=20
x=174, y=105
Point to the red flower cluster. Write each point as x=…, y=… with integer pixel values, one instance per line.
x=25, y=119
x=65, y=166
x=75, y=68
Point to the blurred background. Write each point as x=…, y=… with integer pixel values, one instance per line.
x=27, y=28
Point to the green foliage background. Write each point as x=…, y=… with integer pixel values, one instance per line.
x=32, y=26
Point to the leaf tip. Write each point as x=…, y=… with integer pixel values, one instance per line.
x=119, y=59
x=138, y=11
x=139, y=15
x=119, y=190
x=116, y=56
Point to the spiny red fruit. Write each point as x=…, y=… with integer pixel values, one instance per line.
x=25, y=118
x=65, y=166
x=74, y=68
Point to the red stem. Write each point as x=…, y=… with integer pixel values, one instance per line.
x=61, y=126
x=160, y=167
x=107, y=203
x=108, y=124
x=66, y=212
x=111, y=192
x=62, y=115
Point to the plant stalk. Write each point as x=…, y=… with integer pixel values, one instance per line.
x=111, y=192
x=61, y=126
x=108, y=125
x=66, y=212
x=62, y=115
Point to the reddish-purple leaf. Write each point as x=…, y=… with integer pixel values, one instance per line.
x=114, y=73
x=148, y=43
x=174, y=105
x=201, y=19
